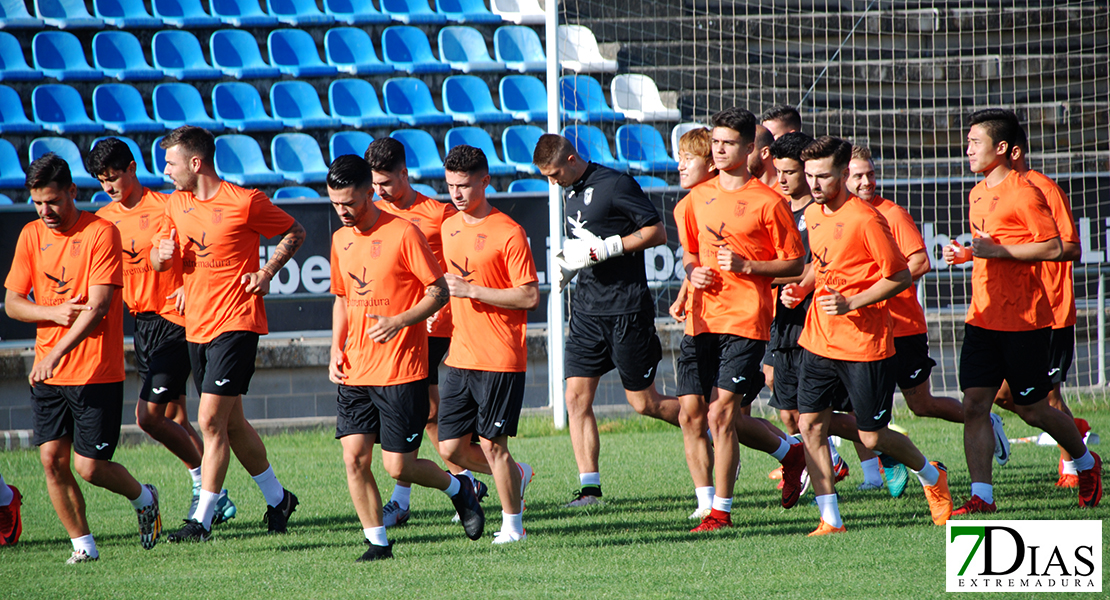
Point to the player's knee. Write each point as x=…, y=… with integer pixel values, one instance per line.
x=89, y=469
x=920, y=407
x=396, y=464
x=869, y=439
x=54, y=464
x=150, y=422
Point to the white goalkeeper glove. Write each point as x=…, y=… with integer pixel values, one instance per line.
x=599, y=249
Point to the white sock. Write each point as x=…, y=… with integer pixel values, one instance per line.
x=86, y=543
x=705, y=496
x=454, y=487
x=145, y=498
x=928, y=475
x=195, y=474
x=780, y=453
x=6, y=493
x=722, y=504
x=985, y=491
x=1085, y=462
x=871, y=472
x=376, y=536
x=833, y=453
x=468, y=475
x=1069, y=469
x=401, y=495
x=512, y=523
x=830, y=510
x=270, y=486
x=206, y=508
x=593, y=479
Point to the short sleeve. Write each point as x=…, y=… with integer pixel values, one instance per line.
x=1035, y=215
x=680, y=219
x=266, y=218
x=784, y=232
x=518, y=259
x=19, y=278
x=1060, y=208
x=905, y=232
x=418, y=256
x=882, y=248
x=338, y=284
x=689, y=226
x=107, y=257
x=630, y=199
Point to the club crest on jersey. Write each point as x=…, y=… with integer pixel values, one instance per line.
x=739, y=209
x=839, y=232
x=376, y=249
x=588, y=196
x=802, y=223
x=480, y=242
x=217, y=215
x=144, y=222
x=75, y=248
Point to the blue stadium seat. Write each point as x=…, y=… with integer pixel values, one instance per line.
x=422, y=157
x=518, y=142
x=184, y=14
x=297, y=157
x=297, y=105
x=59, y=54
x=648, y=182
x=14, y=15
x=298, y=12
x=524, y=97
x=408, y=50
x=355, y=12
x=480, y=139
x=519, y=48
x=410, y=100
x=464, y=48
x=13, y=64
x=529, y=186
x=582, y=99
x=295, y=191
x=350, y=50
x=178, y=53
x=355, y=103
x=144, y=175
x=68, y=151
x=239, y=160
x=236, y=53
x=59, y=108
x=349, y=142
x=592, y=144
x=11, y=171
x=294, y=52
x=239, y=107
x=412, y=12
x=66, y=14
x=466, y=11
x=125, y=14
x=425, y=189
x=177, y=104
x=242, y=13
x=12, y=118
x=643, y=148
x=100, y=197
x=119, y=55
x=5, y=200
x=158, y=158
x=491, y=191
x=119, y=107
x=467, y=99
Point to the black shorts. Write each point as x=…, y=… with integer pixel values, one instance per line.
x=89, y=414
x=486, y=402
x=437, y=349
x=396, y=414
x=596, y=345
x=870, y=387
x=1021, y=358
x=162, y=358
x=693, y=369
x=731, y=363
x=225, y=365
x=788, y=364
x=1061, y=353
x=913, y=365
x=768, y=357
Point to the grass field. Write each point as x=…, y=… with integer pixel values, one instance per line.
x=636, y=545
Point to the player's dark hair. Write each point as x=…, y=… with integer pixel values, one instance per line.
x=1002, y=125
x=46, y=169
x=790, y=145
x=466, y=159
x=552, y=149
x=194, y=141
x=109, y=154
x=785, y=114
x=739, y=120
x=350, y=171
x=826, y=146
x=763, y=137
x=385, y=155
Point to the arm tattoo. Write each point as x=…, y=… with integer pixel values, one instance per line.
x=638, y=234
x=440, y=295
x=286, y=249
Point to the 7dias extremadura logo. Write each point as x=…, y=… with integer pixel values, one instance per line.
x=1023, y=556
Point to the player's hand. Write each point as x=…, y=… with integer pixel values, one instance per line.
x=167, y=247
x=833, y=303
x=67, y=312
x=257, y=283
x=563, y=271
x=678, y=310
x=604, y=249
x=385, y=329
x=792, y=294
x=431, y=321
x=577, y=254
x=335, y=366
x=43, y=369
x=578, y=230
x=459, y=287
x=178, y=297
x=984, y=246
x=731, y=261
x=955, y=253
x=702, y=277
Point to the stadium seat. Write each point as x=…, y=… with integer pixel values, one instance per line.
x=298, y=13
x=295, y=192
x=592, y=144
x=239, y=107
x=294, y=52
x=239, y=160
x=466, y=11
x=125, y=14
x=480, y=139
x=119, y=55
x=11, y=171
x=677, y=132
x=178, y=53
x=648, y=182
x=467, y=99
x=242, y=13
x=410, y=100
x=582, y=99
x=236, y=53
x=519, y=48
x=14, y=15
x=144, y=175
x=412, y=12
x=355, y=12
x=59, y=108
x=518, y=142
x=297, y=157
x=100, y=197
x=13, y=64
x=521, y=12
x=642, y=147
x=68, y=151
x=119, y=107
x=464, y=48
x=184, y=14
x=177, y=104
x=355, y=103
x=12, y=118
x=524, y=97
x=59, y=54
x=66, y=14
x=158, y=158
x=529, y=186
x=297, y=105
x=408, y=50
x=5, y=200
x=349, y=142
x=637, y=97
x=578, y=51
x=350, y=50
x=421, y=154
x=425, y=189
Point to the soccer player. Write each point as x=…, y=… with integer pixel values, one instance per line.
x=386, y=283
x=155, y=300
x=760, y=162
x=214, y=228
x=493, y=285
x=71, y=261
x=1008, y=332
x=739, y=236
x=781, y=119
x=612, y=320
x=848, y=332
x=11, y=521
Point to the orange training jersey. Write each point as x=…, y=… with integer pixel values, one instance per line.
x=1006, y=294
x=1057, y=276
x=428, y=216
x=383, y=271
x=852, y=249
x=909, y=317
x=144, y=289
x=680, y=222
x=57, y=267
x=219, y=240
x=495, y=254
x=756, y=223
